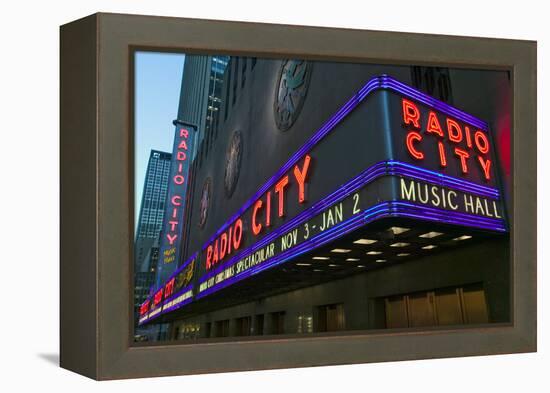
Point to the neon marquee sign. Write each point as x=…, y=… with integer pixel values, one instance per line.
x=261, y=215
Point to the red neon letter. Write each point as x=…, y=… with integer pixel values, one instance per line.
x=171, y=238
x=215, y=254
x=463, y=154
x=433, y=124
x=176, y=200
x=468, y=136
x=238, y=234
x=256, y=228
x=411, y=137
x=178, y=179
x=280, y=190
x=209, y=256
x=181, y=156
x=182, y=145
x=230, y=241
x=223, y=245
x=184, y=133
x=268, y=209
x=301, y=178
x=483, y=147
x=411, y=114
x=454, y=131
x=144, y=307
x=442, y=158
x=169, y=288
x=173, y=225
x=486, y=165
x=158, y=297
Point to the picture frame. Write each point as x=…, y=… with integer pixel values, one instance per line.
x=97, y=186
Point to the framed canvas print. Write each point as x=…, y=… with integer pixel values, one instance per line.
x=240, y=196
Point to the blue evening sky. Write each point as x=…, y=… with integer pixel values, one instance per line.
x=157, y=88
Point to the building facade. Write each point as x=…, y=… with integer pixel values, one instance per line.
x=201, y=97
x=403, y=268
x=151, y=212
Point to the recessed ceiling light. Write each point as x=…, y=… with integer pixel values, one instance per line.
x=365, y=241
x=333, y=265
x=399, y=244
x=398, y=230
x=380, y=260
x=340, y=250
x=321, y=258
x=360, y=265
x=303, y=264
x=429, y=235
x=352, y=259
x=463, y=237
x=317, y=270
x=429, y=247
x=403, y=254
x=374, y=252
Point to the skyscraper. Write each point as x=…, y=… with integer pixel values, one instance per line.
x=152, y=208
x=201, y=93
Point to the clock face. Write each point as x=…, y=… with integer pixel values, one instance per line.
x=205, y=201
x=291, y=92
x=233, y=163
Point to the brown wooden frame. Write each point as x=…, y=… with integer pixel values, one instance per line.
x=97, y=195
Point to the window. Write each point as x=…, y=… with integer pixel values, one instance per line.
x=208, y=329
x=331, y=317
x=447, y=306
x=188, y=331
x=435, y=81
x=259, y=324
x=222, y=328
x=243, y=326
x=277, y=322
x=305, y=324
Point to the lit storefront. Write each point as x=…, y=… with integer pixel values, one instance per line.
x=365, y=204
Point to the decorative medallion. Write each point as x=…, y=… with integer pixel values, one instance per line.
x=291, y=92
x=206, y=195
x=233, y=163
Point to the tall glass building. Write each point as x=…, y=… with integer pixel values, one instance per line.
x=152, y=207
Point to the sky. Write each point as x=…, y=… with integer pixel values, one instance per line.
x=157, y=88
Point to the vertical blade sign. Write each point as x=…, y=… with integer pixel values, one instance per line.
x=172, y=229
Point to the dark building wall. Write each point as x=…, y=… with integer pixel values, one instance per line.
x=485, y=263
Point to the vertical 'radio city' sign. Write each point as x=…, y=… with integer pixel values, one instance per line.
x=175, y=203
